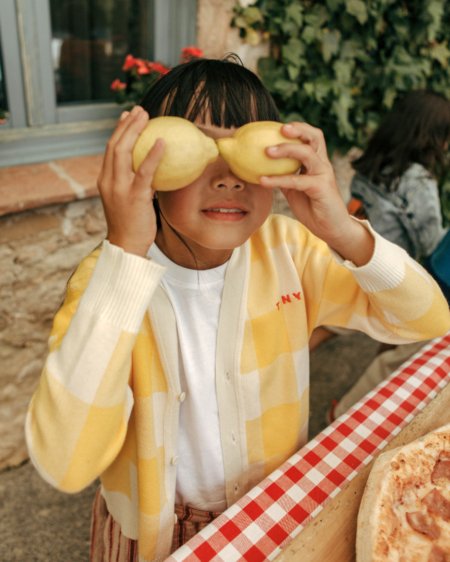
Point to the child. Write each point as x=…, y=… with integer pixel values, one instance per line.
x=396, y=176
x=178, y=365
x=396, y=181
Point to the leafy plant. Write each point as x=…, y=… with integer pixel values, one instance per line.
x=340, y=64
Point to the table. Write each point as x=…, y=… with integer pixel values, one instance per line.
x=265, y=522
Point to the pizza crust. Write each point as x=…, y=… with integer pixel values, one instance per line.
x=404, y=512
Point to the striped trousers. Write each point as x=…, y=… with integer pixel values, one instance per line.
x=108, y=544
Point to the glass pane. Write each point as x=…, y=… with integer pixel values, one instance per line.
x=90, y=39
x=3, y=100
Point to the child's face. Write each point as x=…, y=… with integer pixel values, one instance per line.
x=214, y=214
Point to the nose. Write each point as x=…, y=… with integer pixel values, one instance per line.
x=229, y=182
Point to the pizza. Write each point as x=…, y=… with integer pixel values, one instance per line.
x=404, y=514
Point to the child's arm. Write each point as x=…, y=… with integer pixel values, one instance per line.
x=127, y=197
x=393, y=298
x=314, y=196
x=78, y=416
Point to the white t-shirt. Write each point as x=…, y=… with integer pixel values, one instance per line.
x=196, y=297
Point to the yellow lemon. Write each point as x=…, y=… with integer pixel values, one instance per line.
x=245, y=151
x=187, y=151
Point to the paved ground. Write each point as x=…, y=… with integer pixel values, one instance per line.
x=39, y=524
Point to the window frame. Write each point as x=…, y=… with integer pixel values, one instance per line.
x=37, y=128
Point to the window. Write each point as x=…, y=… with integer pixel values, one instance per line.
x=68, y=53
x=3, y=100
x=90, y=39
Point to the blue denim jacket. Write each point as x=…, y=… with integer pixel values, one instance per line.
x=410, y=216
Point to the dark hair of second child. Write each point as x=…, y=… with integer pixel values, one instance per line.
x=416, y=130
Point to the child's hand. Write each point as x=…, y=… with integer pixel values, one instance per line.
x=127, y=196
x=314, y=196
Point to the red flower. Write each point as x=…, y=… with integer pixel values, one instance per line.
x=117, y=85
x=141, y=73
x=130, y=62
x=189, y=53
x=158, y=67
x=142, y=67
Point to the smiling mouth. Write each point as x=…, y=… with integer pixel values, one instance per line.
x=225, y=213
x=222, y=210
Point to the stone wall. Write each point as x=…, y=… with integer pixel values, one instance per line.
x=38, y=251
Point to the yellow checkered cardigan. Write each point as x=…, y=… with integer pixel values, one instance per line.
x=109, y=397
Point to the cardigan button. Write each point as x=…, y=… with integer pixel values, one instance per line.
x=181, y=397
x=174, y=460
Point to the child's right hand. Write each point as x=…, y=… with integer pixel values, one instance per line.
x=127, y=197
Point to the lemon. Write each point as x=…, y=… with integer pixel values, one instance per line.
x=245, y=152
x=187, y=151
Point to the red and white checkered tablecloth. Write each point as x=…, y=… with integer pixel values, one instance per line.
x=273, y=513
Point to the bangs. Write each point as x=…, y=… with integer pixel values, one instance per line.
x=225, y=91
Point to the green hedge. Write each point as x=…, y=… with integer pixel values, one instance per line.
x=340, y=64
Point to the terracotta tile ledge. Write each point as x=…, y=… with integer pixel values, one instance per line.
x=58, y=181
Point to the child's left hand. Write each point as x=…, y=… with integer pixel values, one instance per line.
x=314, y=196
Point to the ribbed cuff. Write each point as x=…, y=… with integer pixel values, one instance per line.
x=386, y=268
x=121, y=287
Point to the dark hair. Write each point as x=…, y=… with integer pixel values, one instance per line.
x=416, y=130
x=229, y=93
x=224, y=89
